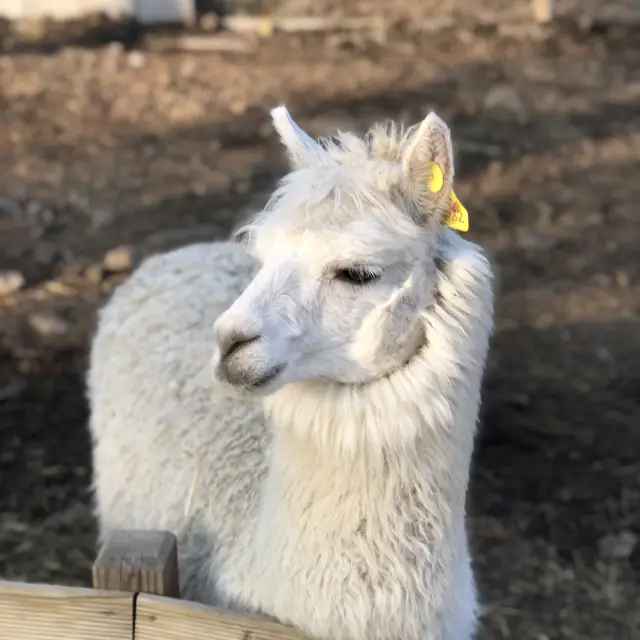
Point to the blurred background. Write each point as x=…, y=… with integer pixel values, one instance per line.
x=119, y=140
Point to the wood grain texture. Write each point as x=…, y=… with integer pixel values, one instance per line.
x=145, y=561
x=46, y=612
x=160, y=618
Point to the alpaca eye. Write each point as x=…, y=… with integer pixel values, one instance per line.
x=358, y=275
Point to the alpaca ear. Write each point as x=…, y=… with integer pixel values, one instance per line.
x=303, y=150
x=428, y=165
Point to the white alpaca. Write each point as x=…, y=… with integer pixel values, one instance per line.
x=333, y=430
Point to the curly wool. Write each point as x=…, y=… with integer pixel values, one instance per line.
x=350, y=533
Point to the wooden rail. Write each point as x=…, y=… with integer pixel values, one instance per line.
x=133, y=576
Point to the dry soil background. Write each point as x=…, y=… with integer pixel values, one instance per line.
x=111, y=147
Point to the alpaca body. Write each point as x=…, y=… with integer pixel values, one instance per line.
x=330, y=491
x=278, y=525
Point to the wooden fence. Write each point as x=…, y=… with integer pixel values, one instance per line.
x=135, y=596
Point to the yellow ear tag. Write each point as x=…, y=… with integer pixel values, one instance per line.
x=458, y=217
x=435, y=179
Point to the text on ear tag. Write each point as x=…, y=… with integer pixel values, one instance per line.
x=458, y=217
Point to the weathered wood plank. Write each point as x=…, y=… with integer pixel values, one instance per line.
x=167, y=619
x=47, y=612
x=138, y=560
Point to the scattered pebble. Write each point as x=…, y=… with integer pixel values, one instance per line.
x=503, y=98
x=94, y=273
x=102, y=218
x=238, y=107
x=136, y=59
x=49, y=323
x=33, y=208
x=618, y=545
x=10, y=206
x=10, y=282
x=46, y=253
x=210, y=22
x=119, y=259
x=623, y=279
x=603, y=354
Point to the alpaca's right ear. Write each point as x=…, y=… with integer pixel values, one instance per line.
x=303, y=150
x=428, y=167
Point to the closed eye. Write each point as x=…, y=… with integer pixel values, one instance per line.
x=358, y=275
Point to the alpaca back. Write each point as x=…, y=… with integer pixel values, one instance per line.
x=156, y=418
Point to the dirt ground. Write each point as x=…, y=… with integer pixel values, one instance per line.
x=112, y=146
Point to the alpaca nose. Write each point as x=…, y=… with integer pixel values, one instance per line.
x=231, y=341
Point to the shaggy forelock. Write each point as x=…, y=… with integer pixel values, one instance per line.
x=355, y=178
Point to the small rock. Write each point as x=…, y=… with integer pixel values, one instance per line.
x=112, y=55
x=623, y=280
x=102, y=218
x=242, y=187
x=238, y=107
x=49, y=323
x=94, y=273
x=10, y=282
x=214, y=145
x=187, y=68
x=33, y=208
x=544, y=321
x=10, y=206
x=210, y=22
x=46, y=254
x=199, y=189
x=37, y=232
x=47, y=216
x=602, y=279
x=506, y=99
x=594, y=218
x=136, y=59
x=119, y=259
x=618, y=545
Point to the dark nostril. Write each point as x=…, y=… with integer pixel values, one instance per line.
x=234, y=341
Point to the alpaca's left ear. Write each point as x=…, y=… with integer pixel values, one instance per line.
x=303, y=150
x=428, y=168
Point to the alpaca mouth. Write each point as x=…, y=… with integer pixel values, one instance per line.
x=247, y=380
x=266, y=379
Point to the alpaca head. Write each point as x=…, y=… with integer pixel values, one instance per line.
x=347, y=249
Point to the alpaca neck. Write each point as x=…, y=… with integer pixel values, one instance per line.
x=361, y=515
x=406, y=434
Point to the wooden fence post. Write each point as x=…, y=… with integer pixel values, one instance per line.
x=137, y=560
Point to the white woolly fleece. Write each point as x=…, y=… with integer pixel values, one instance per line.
x=342, y=512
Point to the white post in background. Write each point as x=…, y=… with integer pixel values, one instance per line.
x=167, y=11
x=11, y=9
x=145, y=11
